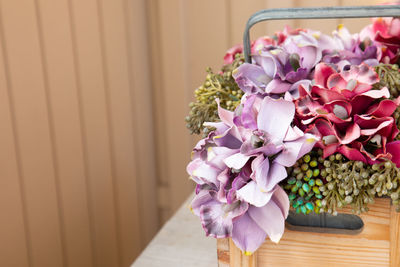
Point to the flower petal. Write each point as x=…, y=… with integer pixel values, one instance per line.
x=226, y=116
x=282, y=200
x=200, y=199
x=275, y=123
x=251, y=78
x=294, y=150
x=236, y=161
x=270, y=219
x=216, y=218
x=247, y=235
x=394, y=149
x=253, y=194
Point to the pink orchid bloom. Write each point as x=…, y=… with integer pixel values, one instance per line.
x=385, y=33
x=350, y=117
x=238, y=168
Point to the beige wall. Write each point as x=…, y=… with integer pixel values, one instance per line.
x=93, y=94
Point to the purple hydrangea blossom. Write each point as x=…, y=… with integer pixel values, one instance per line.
x=237, y=169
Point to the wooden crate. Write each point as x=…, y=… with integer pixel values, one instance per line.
x=378, y=244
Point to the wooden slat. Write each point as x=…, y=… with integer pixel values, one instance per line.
x=327, y=25
x=13, y=235
x=240, y=12
x=173, y=141
x=394, y=237
x=121, y=105
x=369, y=248
x=32, y=131
x=142, y=108
x=195, y=43
x=238, y=259
x=66, y=127
x=96, y=126
x=223, y=252
x=155, y=57
x=274, y=26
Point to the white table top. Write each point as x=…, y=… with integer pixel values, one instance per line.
x=181, y=242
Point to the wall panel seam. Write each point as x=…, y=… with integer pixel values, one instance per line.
x=157, y=92
x=83, y=131
x=228, y=10
x=52, y=133
x=186, y=66
x=131, y=90
x=109, y=131
x=21, y=182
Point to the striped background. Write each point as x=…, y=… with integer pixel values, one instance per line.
x=93, y=93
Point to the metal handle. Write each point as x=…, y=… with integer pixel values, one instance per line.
x=315, y=13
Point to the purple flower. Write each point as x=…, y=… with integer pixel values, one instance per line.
x=281, y=69
x=238, y=168
x=349, y=50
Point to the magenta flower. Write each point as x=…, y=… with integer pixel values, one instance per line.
x=238, y=168
x=385, y=33
x=350, y=117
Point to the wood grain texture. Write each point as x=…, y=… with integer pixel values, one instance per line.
x=376, y=245
x=223, y=252
x=394, y=238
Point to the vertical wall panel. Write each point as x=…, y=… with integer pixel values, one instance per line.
x=157, y=85
x=273, y=26
x=142, y=108
x=32, y=131
x=174, y=140
x=201, y=34
x=355, y=25
x=96, y=131
x=13, y=235
x=240, y=11
x=64, y=112
x=326, y=25
x=121, y=114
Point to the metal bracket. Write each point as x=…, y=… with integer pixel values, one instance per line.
x=315, y=13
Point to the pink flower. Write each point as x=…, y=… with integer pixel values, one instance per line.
x=255, y=46
x=385, y=32
x=238, y=168
x=351, y=118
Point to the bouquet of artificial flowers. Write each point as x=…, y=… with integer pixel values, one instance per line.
x=311, y=124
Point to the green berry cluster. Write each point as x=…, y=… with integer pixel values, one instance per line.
x=347, y=183
x=216, y=85
x=357, y=184
x=325, y=185
x=389, y=75
x=304, y=182
x=385, y=181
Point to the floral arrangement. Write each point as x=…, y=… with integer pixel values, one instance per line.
x=311, y=124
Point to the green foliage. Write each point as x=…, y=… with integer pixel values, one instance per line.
x=216, y=85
